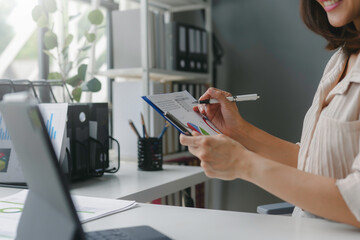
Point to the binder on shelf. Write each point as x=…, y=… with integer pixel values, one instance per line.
x=176, y=47
x=160, y=61
x=204, y=51
x=186, y=48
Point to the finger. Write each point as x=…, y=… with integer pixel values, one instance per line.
x=202, y=108
x=190, y=141
x=209, y=172
x=195, y=133
x=209, y=93
x=194, y=151
x=196, y=108
x=219, y=95
x=206, y=95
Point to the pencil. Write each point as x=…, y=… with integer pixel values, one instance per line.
x=144, y=127
x=134, y=128
x=167, y=124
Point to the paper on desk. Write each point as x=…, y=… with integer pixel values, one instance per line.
x=55, y=116
x=88, y=209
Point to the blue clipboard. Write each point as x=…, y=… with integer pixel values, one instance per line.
x=168, y=117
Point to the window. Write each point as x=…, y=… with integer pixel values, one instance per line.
x=19, y=42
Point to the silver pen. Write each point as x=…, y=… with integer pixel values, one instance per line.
x=238, y=98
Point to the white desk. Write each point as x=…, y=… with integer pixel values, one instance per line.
x=131, y=184
x=193, y=223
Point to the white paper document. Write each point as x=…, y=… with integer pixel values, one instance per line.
x=180, y=105
x=88, y=209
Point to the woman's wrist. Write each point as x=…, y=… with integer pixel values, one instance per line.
x=241, y=131
x=245, y=167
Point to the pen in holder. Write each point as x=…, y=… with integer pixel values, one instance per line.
x=150, y=156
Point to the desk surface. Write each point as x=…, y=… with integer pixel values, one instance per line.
x=129, y=183
x=194, y=223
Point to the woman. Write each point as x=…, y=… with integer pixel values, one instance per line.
x=321, y=174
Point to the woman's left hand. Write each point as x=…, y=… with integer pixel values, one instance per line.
x=221, y=157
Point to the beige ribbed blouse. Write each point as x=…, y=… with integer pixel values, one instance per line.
x=330, y=138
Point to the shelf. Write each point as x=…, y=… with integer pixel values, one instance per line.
x=178, y=5
x=156, y=75
x=177, y=157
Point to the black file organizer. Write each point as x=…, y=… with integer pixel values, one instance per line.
x=86, y=156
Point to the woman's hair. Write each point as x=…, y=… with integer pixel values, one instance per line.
x=315, y=18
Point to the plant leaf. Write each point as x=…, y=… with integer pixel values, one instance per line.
x=50, y=6
x=93, y=85
x=74, y=81
x=90, y=37
x=68, y=67
x=68, y=40
x=85, y=48
x=82, y=71
x=74, y=16
x=76, y=93
x=49, y=54
x=65, y=53
x=55, y=75
x=96, y=17
x=81, y=59
x=36, y=13
x=50, y=40
x=43, y=21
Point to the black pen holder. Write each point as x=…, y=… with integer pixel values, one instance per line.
x=150, y=156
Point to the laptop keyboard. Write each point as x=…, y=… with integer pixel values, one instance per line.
x=110, y=234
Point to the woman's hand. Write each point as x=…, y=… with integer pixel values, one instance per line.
x=221, y=157
x=224, y=115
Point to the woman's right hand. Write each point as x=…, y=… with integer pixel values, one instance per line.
x=224, y=115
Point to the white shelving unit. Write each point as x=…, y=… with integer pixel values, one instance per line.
x=160, y=75
x=148, y=74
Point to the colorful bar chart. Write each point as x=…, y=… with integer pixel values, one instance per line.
x=50, y=127
x=4, y=133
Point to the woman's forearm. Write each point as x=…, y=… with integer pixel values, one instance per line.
x=316, y=194
x=266, y=145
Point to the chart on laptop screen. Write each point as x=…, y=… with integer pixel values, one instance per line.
x=5, y=146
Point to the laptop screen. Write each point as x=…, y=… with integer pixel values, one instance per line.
x=49, y=198
x=49, y=212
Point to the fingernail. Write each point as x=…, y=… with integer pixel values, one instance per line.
x=201, y=108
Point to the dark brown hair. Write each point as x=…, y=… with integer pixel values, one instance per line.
x=315, y=18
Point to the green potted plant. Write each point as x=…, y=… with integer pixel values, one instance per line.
x=71, y=71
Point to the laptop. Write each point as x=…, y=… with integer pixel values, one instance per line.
x=49, y=212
